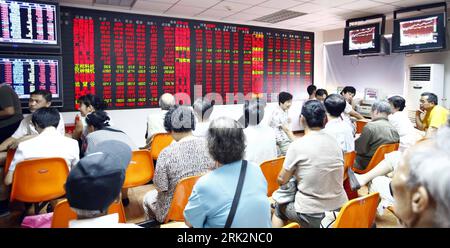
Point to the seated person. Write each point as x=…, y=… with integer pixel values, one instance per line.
x=336, y=127
x=88, y=104
x=435, y=115
x=421, y=184
x=321, y=94
x=211, y=199
x=49, y=142
x=99, y=130
x=316, y=161
x=155, y=120
x=399, y=119
x=375, y=133
x=26, y=130
x=186, y=157
x=95, y=183
x=202, y=109
x=280, y=123
x=348, y=93
x=260, y=139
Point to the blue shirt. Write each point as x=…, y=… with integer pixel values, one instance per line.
x=212, y=196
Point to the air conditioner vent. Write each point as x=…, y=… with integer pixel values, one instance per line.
x=279, y=16
x=121, y=3
x=420, y=73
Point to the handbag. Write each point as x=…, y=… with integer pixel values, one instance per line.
x=237, y=195
x=38, y=221
x=286, y=192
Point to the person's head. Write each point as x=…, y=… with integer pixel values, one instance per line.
x=179, y=121
x=285, y=100
x=380, y=109
x=335, y=104
x=397, y=103
x=421, y=185
x=39, y=99
x=97, y=120
x=311, y=89
x=313, y=115
x=321, y=94
x=428, y=100
x=348, y=92
x=45, y=117
x=97, y=179
x=203, y=109
x=226, y=140
x=254, y=112
x=166, y=101
x=90, y=103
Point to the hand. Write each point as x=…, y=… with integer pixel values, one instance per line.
x=419, y=112
x=14, y=144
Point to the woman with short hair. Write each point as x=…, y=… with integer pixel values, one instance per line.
x=211, y=199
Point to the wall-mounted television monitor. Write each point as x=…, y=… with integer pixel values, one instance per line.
x=29, y=27
x=363, y=39
x=31, y=72
x=419, y=34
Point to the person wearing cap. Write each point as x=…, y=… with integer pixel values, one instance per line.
x=95, y=183
x=49, y=143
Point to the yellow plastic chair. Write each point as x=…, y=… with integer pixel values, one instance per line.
x=62, y=213
x=39, y=180
x=180, y=198
x=271, y=169
x=140, y=170
x=159, y=142
x=359, y=212
x=292, y=225
x=377, y=157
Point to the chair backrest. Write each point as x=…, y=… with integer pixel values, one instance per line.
x=292, y=225
x=359, y=212
x=271, y=169
x=378, y=156
x=9, y=157
x=38, y=180
x=159, y=142
x=180, y=198
x=349, y=159
x=62, y=213
x=360, y=125
x=140, y=170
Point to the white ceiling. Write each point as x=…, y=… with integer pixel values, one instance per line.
x=321, y=14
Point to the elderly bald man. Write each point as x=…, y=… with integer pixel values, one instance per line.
x=155, y=120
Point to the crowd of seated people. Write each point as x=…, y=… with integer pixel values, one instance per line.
x=227, y=154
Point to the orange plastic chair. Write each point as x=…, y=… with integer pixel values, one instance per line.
x=62, y=213
x=360, y=125
x=292, y=225
x=159, y=142
x=271, y=169
x=140, y=170
x=39, y=180
x=349, y=159
x=180, y=198
x=9, y=157
x=359, y=212
x=378, y=157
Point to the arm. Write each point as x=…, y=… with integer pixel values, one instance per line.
x=16, y=142
x=289, y=133
x=419, y=122
x=8, y=178
x=78, y=131
x=357, y=115
x=4, y=146
x=284, y=176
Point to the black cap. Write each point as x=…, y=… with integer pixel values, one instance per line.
x=97, y=179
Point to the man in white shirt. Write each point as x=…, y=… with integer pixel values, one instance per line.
x=155, y=120
x=336, y=127
x=261, y=140
x=95, y=183
x=49, y=142
x=26, y=130
x=348, y=93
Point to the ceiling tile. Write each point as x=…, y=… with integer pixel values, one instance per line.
x=249, y=2
x=85, y=2
x=409, y=3
x=230, y=7
x=332, y=3
x=215, y=14
x=307, y=8
x=386, y=1
x=277, y=4
x=184, y=10
x=360, y=5
x=151, y=6
x=198, y=3
x=241, y=17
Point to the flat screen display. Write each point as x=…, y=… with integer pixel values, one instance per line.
x=29, y=26
x=362, y=39
x=26, y=74
x=419, y=33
